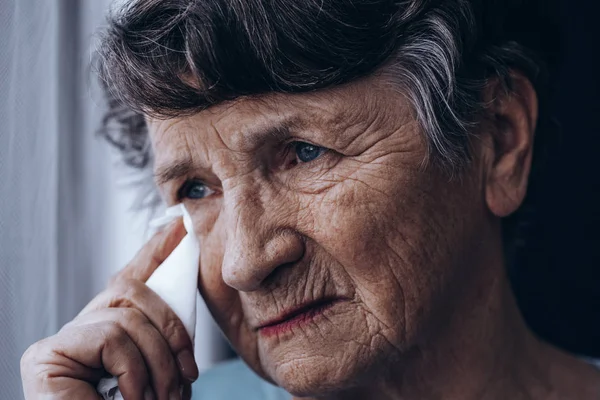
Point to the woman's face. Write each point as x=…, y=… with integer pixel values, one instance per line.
x=328, y=250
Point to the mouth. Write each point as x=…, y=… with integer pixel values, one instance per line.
x=297, y=316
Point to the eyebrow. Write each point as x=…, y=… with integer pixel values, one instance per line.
x=174, y=170
x=278, y=131
x=186, y=166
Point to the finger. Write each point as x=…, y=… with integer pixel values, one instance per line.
x=186, y=393
x=154, y=253
x=135, y=294
x=61, y=366
x=157, y=355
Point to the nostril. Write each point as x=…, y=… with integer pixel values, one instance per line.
x=273, y=278
x=246, y=268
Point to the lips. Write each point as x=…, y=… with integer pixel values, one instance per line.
x=297, y=316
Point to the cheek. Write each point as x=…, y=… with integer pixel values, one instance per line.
x=222, y=300
x=210, y=236
x=394, y=239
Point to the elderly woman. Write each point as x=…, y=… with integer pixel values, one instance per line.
x=348, y=166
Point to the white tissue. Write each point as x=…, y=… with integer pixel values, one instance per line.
x=175, y=281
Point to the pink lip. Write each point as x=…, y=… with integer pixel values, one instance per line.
x=297, y=316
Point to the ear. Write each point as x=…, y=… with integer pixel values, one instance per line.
x=513, y=115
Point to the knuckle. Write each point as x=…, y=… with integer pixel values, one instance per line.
x=118, y=343
x=124, y=293
x=175, y=333
x=29, y=356
x=132, y=316
x=113, y=332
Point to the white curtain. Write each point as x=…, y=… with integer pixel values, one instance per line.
x=66, y=222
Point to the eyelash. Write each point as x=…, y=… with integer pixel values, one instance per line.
x=187, y=185
x=292, y=146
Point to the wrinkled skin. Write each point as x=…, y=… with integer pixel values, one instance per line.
x=410, y=253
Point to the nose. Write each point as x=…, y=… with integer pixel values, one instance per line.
x=257, y=240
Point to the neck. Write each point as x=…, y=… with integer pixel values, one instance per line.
x=485, y=353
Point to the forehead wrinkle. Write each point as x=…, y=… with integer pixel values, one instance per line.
x=172, y=136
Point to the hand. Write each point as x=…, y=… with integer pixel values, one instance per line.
x=127, y=331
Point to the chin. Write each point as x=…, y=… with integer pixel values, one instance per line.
x=312, y=368
x=316, y=376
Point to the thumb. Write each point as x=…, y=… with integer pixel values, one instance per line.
x=154, y=253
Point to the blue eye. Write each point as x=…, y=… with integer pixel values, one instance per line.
x=194, y=190
x=307, y=152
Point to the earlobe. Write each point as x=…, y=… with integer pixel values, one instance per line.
x=513, y=114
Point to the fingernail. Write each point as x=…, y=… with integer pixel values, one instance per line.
x=149, y=394
x=188, y=366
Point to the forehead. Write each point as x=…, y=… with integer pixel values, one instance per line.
x=246, y=123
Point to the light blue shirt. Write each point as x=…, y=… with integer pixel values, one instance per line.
x=234, y=380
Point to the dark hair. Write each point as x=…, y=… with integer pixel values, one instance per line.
x=174, y=57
